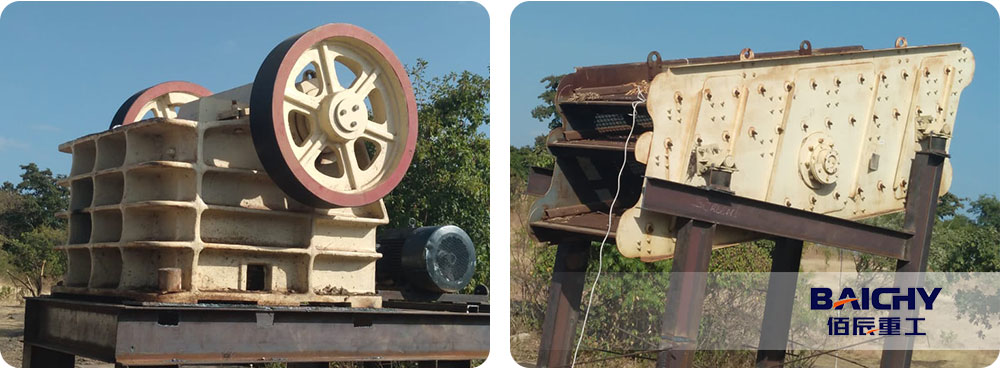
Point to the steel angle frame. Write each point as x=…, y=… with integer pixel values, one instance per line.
x=57, y=329
x=771, y=219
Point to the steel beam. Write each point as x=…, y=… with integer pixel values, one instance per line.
x=785, y=262
x=172, y=334
x=921, y=208
x=686, y=294
x=768, y=218
x=565, y=292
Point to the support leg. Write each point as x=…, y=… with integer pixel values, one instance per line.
x=778, y=307
x=565, y=292
x=921, y=205
x=686, y=294
x=39, y=357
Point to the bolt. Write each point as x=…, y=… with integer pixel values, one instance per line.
x=789, y=86
x=836, y=195
x=905, y=75
x=812, y=199
x=736, y=92
x=761, y=89
x=343, y=112
x=837, y=82
x=752, y=132
x=354, y=124
x=726, y=136
x=708, y=94
x=861, y=78
x=678, y=98
x=902, y=184
x=829, y=123
x=853, y=120
x=812, y=82
x=788, y=202
x=880, y=186
x=355, y=108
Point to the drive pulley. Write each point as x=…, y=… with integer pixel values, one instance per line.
x=333, y=117
x=161, y=99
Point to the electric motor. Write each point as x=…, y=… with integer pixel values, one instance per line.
x=437, y=259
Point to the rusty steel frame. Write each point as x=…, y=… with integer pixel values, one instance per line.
x=778, y=306
x=701, y=210
x=565, y=293
x=57, y=328
x=771, y=219
x=686, y=294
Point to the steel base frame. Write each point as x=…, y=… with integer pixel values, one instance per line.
x=58, y=328
x=701, y=210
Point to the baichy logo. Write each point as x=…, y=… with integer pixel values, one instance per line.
x=893, y=299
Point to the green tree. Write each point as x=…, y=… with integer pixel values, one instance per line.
x=987, y=211
x=30, y=229
x=449, y=179
x=546, y=112
x=523, y=158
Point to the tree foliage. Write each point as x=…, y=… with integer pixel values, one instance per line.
x=546, y=112
x=448, y=180
x=29, y=228
x=523, y=158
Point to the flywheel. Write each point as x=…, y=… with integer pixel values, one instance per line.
x=161, y=99
x=333, y=117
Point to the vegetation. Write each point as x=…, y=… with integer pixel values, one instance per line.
x=29, y=228
x=449, y=179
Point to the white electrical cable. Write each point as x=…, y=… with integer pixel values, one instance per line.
x=611, y=210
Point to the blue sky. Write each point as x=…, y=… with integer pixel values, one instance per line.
x=67, y=67
x=552, y=38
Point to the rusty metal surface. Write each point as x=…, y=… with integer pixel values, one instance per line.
x=688, y=277
x=225, y=334
x=774, y=329
x=565, y=293
x=921, y=205
x=539, y=181
x=590, y=225
x=767, y=218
